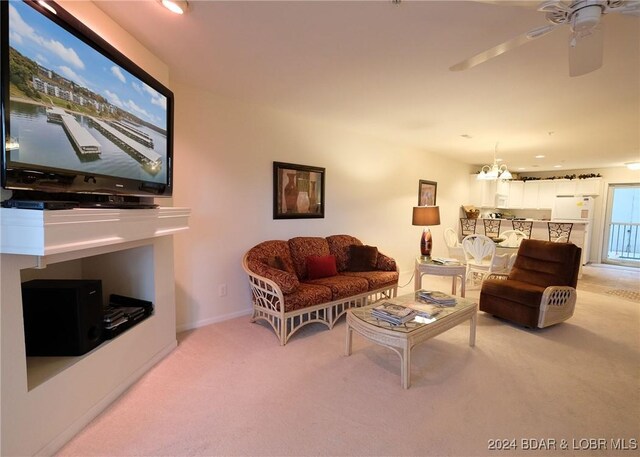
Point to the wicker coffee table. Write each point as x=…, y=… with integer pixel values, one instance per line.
x=402, y=338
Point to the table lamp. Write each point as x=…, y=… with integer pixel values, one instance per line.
x=426, y=216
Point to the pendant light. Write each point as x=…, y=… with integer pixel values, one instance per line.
x=495, y=171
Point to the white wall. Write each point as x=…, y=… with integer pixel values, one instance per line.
x=116, y=36
x=224, y=154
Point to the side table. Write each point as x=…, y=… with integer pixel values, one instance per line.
x=427, y=267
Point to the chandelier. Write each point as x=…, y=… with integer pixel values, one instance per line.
x=495, y=171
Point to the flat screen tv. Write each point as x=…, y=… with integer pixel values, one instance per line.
x=80, y=121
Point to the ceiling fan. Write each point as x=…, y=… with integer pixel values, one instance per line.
x=583, y=18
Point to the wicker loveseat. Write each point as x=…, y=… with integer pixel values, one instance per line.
x=312, y=279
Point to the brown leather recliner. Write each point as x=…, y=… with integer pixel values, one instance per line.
x=540, y=288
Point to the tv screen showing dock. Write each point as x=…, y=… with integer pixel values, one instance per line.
x=78, y=115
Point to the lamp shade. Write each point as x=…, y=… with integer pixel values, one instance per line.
x=426, y=215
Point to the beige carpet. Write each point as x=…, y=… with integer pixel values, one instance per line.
x=230, y=389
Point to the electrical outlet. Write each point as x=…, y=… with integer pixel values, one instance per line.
x=222, y=290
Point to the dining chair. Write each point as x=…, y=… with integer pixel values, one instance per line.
x=512, y=238
x=453, y=245
x=523, y=226
x=468, y=226
x=480, y=255
x=492, y=227
x=560, y=232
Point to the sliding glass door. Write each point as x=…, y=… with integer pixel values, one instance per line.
x=622, y=228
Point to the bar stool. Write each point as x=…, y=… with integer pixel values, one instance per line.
x=492, y=227
x=559, y=231
x=468, y=226
x=523, y=226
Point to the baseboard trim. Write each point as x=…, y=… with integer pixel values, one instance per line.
x=213, y=320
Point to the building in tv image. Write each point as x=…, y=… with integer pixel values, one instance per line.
x=73, y=108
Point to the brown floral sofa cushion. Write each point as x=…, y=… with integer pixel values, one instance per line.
x=376, y=279
x=306, y=295
x=304, y=246
x=263, y=259
x=339, y=245
x=342, y=286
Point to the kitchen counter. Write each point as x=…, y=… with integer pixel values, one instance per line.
x=540, y=231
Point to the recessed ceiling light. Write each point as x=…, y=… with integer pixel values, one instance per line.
x=633, y=165
x=47, y=6
x=539, y=157
x=557, y=166
x=175, y=6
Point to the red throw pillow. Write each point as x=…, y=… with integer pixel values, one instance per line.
x=321, y=266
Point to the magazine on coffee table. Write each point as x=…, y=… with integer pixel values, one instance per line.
x=437, y=297
x=393, y=313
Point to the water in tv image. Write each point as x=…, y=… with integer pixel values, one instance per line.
x=72, y=108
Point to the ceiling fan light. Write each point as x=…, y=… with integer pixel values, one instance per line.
x=586, y=18
x=47, y=6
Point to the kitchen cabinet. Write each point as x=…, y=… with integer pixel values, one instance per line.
x=482, y=194
x=533, y=194
x=546, y=193
x=539, y=194
x=565, y=187
x=530, y=194
x=588, y=186
x=516, y=194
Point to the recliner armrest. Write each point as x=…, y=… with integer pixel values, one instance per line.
x=498, y=276
x=557, y=305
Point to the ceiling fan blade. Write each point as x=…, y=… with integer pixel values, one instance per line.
x=523, y=3
x=553, y=5
x=585, y=52
x=631, y=8
x=502, y=48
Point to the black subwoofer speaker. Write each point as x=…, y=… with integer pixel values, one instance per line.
x=62, y=317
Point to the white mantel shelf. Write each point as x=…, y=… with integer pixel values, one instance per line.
x=44, y=233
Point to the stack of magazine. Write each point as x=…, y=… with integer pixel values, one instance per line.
x=394, y=314
x=445, y=261
x=436, y=297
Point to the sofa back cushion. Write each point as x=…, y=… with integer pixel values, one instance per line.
x=304, y=246
x=339, y=245
x=272, y=260
x=545, y=263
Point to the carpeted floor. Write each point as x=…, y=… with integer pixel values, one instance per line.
x=230, y=389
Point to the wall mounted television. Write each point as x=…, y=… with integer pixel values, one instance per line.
x=80, y=121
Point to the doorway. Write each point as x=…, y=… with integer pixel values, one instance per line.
x=622, y=226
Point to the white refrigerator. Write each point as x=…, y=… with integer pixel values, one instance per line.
x=576, y=210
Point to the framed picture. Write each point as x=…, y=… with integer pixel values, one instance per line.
x=298, y=191
x=427, y=193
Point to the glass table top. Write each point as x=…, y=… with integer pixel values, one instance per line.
x=429, y=312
